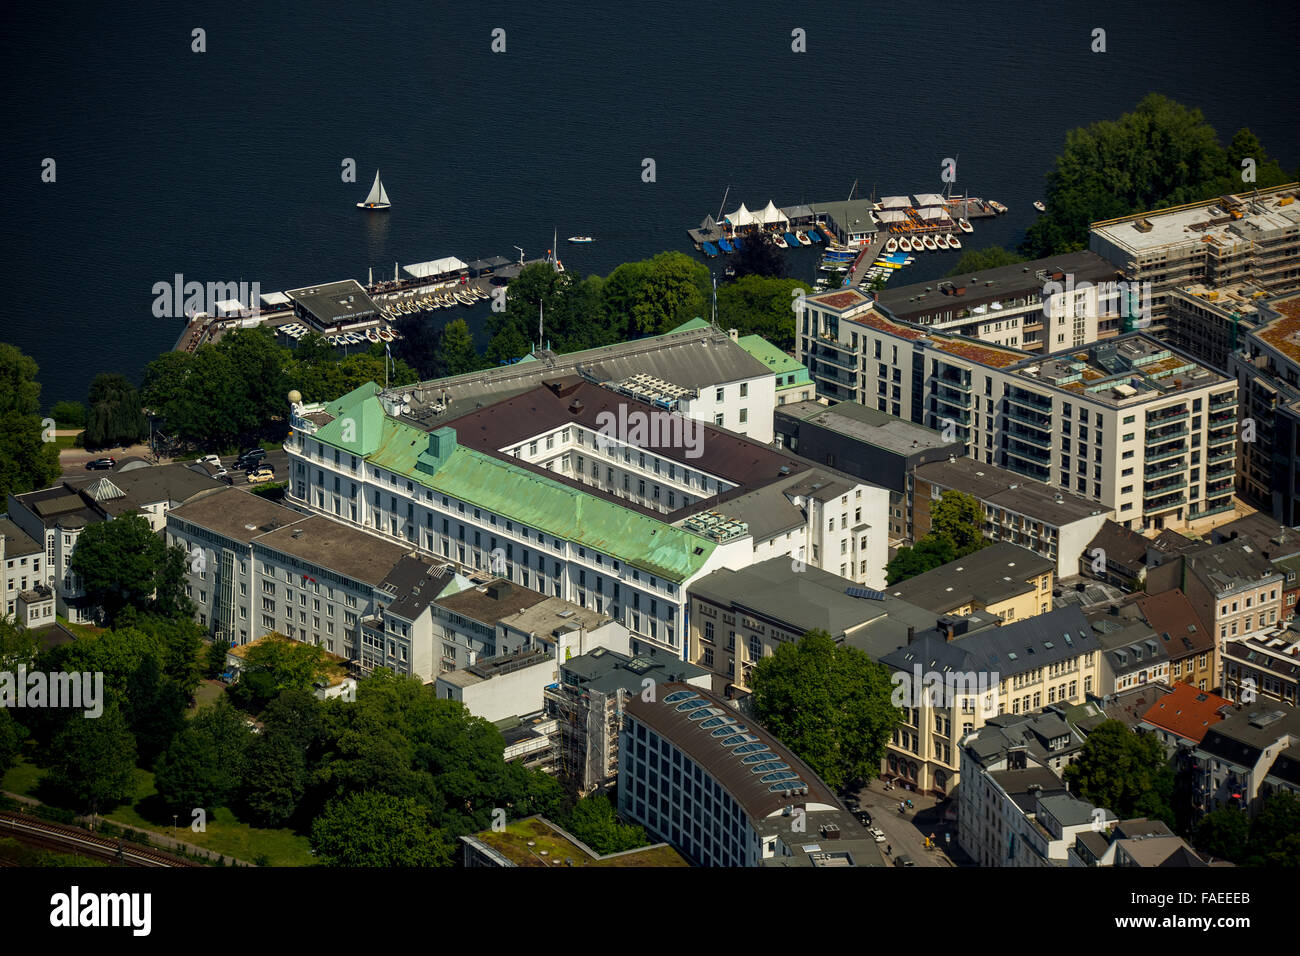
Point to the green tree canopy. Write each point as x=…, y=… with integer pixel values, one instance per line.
x=927, y=554
x=206, y=762
x=958, y=518
x=27, y=461
x=1161, y=154
x=116, y=413
x=1124, y=771
x=1223, y=833
x=378, y=829
x=92, y=760
x=594, y=822
x=828, y=703
x=757, y=305
x=69, y=414
x=975, y=261
x=118, y=563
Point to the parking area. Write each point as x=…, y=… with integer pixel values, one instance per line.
x=907, y=831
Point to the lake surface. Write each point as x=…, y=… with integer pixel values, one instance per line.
x=225, y=166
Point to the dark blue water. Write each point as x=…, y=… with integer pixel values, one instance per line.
x=225, y=166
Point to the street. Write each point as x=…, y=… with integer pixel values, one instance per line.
x=905, y=834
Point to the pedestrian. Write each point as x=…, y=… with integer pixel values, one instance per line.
x=889, y=849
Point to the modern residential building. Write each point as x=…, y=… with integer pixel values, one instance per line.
x=1004, y=580
x=1235, y=591
x=1050, y=522
x=1266, y=364
x=1211, y=324
x=1182, y=718
x=1144, y=430
x=537, y=488
x=55, y=517
x=1217, y=242
x=587, y=702
x=1013, y=808
x=868, y=444
x=1041, y=306
x=723, y=791
x=1021, y=667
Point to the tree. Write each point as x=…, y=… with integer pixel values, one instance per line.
x=27, y=461
x=975, y=261
x=118, y=563
x=1278, y=818
x=758, y=256
x=377, y=829
x=1123, y=771
x=205, y=764
x=116, y=413
x=92, y=761
x=654, y=296
x=290, y=664
x=12, y=735
x=18, y=645
x=828, y=703
x=1223, y=833
x=959, y=518
x=69, y=414
x=1161, y=154
x=170, y=600
x=757, y=305
x=275, y=780
x=215, y=657
x=419, y=345
x=594, y=822
x=458, y=353
x=928, y=553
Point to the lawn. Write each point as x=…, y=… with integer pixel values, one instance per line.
x=225, y=835
x=206, y=694
x=64, y=442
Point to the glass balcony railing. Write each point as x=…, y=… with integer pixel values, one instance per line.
x=1168, y=435
x=1030, y=400
x=1168, y=468
x=1017, y=414
x=1166, y=417
x=1168, y=452
x=1164, y=489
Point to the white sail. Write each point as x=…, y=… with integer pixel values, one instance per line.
x=377, y=194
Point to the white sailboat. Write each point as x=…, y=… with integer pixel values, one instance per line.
x=378, y=198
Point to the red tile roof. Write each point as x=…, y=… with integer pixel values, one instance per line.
x=1187, y=712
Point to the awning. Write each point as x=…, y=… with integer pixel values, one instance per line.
x=276, y=298
x=891, y=215
x=933, y=213
x=435, y=267
x=895, y=202
x=929, y=199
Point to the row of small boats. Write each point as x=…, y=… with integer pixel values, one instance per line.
x=371, y=336
x=413, y=303
x=928, y=243
x=780, y=240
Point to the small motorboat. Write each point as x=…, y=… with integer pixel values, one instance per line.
x=814, y=235
x=778, y=241
x=891, y=244
x=941, y=241
x=904, y=244
x=954, y=242
x=791, y=240
x=372, y=335
x=581, y=239
x=709, y=249
x=803, y=238
x=1039, y=206
x=965, y=226
x=997, y=207
x=929, y=243
x=448, y=301
x=385, y=335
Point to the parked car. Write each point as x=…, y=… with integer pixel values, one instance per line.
x=877, y=834
x=101, y=464
x=904, y=860
x=250, y=457
x=214, y=460
x=863, y=817
x=259, y=467
x=260, y=476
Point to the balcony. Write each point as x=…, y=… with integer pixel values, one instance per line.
x=1159, y=438
x=1163, y=504
x=1028, y=452
x=1165, y=417
x=960, y=412
x=834, y=359
x=1168, y=453
x=1221, y=455
x=1219, y=471
x=1230, y=436
x=1227, y=400
x=1166, y=488
x=1219, y=419
x=1034, y=438
x=955, y=383
x=1029, y=418
x=952, y=396
x=1030, y=400
x=1166, y=469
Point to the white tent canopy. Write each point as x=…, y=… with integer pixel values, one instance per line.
x=741, y=217
x=276, y=298
x=772, y=215
x=895, y=202
x=436, y=267
x=891, y=215
x=935, y=213
x=928, y=199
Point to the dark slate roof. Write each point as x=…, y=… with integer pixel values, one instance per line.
x=17, y=543
x=722, y=762
x=1231, y=565
x=1243, y=735
x=606, y=670
x=988, y=576
x=1287, y=766
x=1174, y=619
x=1015, y=648
x=416, y=581
x=1123, y=547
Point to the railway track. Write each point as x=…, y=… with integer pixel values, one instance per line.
x=61, y=837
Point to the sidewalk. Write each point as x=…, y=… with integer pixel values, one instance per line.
x=159, y=841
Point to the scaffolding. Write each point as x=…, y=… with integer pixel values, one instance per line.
x=586, y=741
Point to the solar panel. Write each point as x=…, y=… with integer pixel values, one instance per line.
x=867, y=594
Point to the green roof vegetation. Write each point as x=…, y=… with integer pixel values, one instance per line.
x=512, y=843
x=783, y=365
x=437, y=462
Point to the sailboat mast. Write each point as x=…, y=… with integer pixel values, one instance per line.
x=724, y=202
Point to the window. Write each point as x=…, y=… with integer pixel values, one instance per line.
x=720, y=394
x=744, y=389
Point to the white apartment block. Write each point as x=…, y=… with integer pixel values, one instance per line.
x=1143, y=430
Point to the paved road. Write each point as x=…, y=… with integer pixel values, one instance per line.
x=905, y=833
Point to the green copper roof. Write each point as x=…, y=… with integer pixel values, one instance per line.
x=783, y=365
x=690, y=325
x=436, y=461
